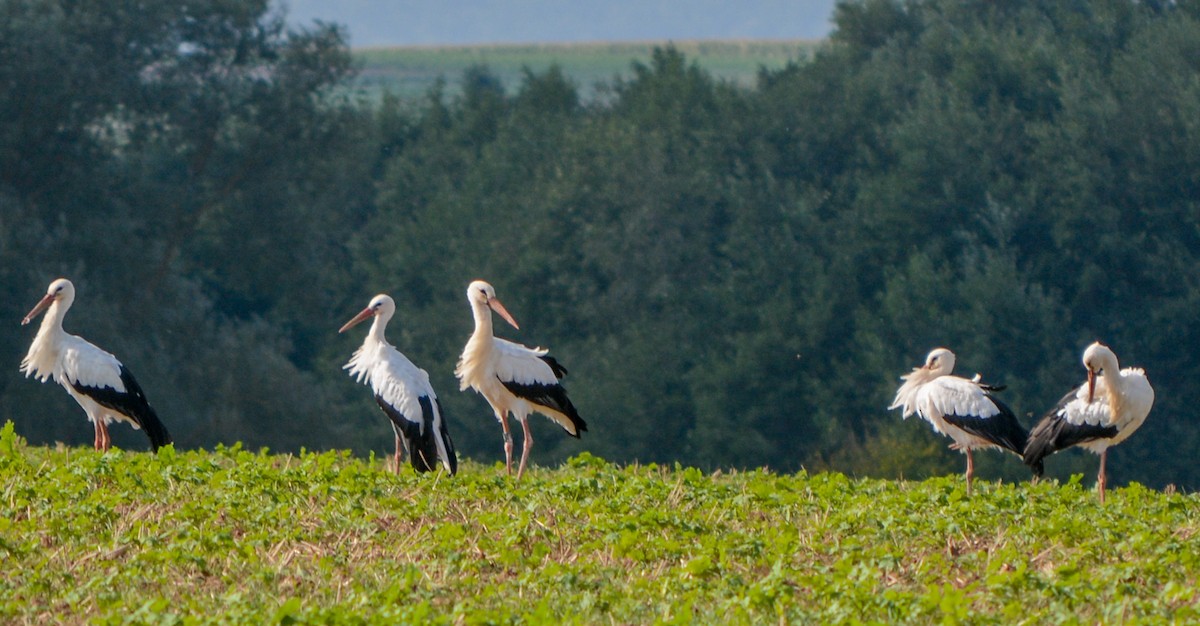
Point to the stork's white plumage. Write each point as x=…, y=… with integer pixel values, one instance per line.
x=964, y=410
x=511, y=377
x=1102, y=412
x=403, y=391
x=99, y=382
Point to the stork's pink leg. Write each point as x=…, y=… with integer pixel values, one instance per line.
x=1101, y=480
x=507, y=443
x=97, y=441
x=398, y=456
x=526, y=446
x=105, y=439
x=970, y=470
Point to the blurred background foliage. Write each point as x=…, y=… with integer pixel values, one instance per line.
x=735, y=275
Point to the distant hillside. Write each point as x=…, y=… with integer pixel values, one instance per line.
x=471, y=22
x=410, y=71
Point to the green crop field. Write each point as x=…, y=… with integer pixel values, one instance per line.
x=234, y=536
x=410, y=71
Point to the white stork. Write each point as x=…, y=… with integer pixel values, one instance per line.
x=964, y=410
x=1101, y=413
x=511, y=377
x=99, y=382
x=403, y=391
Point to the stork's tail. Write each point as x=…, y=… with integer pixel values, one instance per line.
x=428, y=441
x=422, y=451
x=577, y=423
x=426, y=449
x=154, y=428
x=444, y=444
x=1040, y=446
x=555, y=397
x=422, y=447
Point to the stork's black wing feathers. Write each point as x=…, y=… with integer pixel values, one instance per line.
x=1002, y=429
x=423, y=448
x=412, y=433
x=419, y=437
x=555, y=366
x=550, y=396
x=131, y=402
x=1054, y=433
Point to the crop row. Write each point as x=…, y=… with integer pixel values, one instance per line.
x=234, y=536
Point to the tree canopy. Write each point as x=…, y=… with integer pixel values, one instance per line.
x=734, y=276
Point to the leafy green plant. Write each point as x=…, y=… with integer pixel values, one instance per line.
x=234, y=536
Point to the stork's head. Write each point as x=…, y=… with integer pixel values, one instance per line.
x=381, y=305
x=480, y=293
x=940, y=362
x=1098, y=359
x=61, y=290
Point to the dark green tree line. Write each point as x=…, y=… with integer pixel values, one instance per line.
x=734, y=277
x=179, y=161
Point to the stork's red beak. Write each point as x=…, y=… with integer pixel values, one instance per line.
x=499, y=308
x=367, y=312
x=1091, y=384
x=38, y=308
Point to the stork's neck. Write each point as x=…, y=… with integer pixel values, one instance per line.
x=378, y=328
x=1112, y=373
x=473, y=366
x=483, y=320
x=1114, y=382
x=51, y=327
